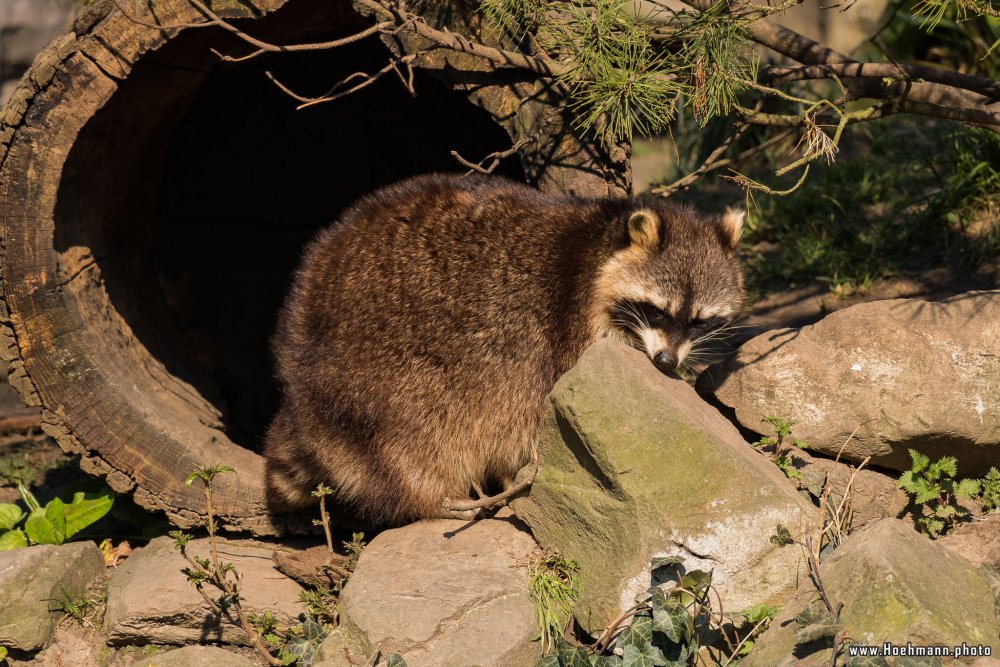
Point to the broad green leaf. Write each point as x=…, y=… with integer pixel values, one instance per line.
x=573, y=656
x=47, y=525
x=662, y=567
x=13, y=539
x=697, y=580
x=86, y=508
x=920, y=462
x=816, y=622
x=643, y=656
x=605, y=661
x=638, y=633
x=395, y=660
x=674, y=622
x=550, y=660
x=3, y=652
x=10, y=516
x=967, y=488
x=866, y=661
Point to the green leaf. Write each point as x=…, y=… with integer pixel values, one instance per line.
x=571, y=655
x=47, y=525
x=781, y=536
x=662, y=567
x=643, y=656
x=3, y=652
x=697, y=580
x=920, y=462
x=13, y=539
x=638, y=633
x=967, y=488
x=10, y=516
x=605, y=661
x=816, y=622
x=86, y=509
x=866, y=661
x=550, y=660
x=674, y=622
x=394, y=660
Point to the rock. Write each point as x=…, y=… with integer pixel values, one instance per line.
x=896, y=586
x=904, y=373
x=194, y=656
x=151, y=602
x=874, y=495
x=978, y=541
x=635, y=465
x=308, y=566
x=442, y=593
x=30, y=577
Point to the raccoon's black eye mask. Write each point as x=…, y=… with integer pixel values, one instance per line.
x=642, y=313
x=700, y=327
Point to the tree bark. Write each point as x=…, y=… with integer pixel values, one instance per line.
x=83, y=325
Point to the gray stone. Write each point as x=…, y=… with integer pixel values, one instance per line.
x=150, y=600
x=895, y=586
x=904, y=373
x=30, y=577
x=194, y=656
x=635, y=465
x=441, y=593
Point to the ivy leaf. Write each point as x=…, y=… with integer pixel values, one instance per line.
x=674, y=622
x=573, y=656
x=638, y=633
x=816, y=622
x=395, y=660
x=697, y=581
x=662, y=567
x=47, y=525
x=549, y=660
x=10, y=516
x=866, y=661
x=605, y=661
x=13, y=539
x=643, y=656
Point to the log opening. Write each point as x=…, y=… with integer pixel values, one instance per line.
x=152, y=215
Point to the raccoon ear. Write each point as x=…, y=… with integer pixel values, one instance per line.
x=732, y=227
x=644, y=229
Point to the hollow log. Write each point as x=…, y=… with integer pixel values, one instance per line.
x=154, y=201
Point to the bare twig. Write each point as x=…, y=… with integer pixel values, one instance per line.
x=496, y=157
x=490, y=502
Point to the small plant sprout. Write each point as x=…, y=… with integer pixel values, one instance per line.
x=212, y=572
x=77, y=608
x=934, y=488
x=782, y=446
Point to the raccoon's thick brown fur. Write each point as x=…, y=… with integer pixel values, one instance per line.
x=425, y=329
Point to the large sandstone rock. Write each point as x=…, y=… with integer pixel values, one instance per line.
x=150, y=600
x=635, y=465
x=32, y=576
x=904, y=373
x=895, y=586
x=194, y=656
x=442, y=593
x=978, y=541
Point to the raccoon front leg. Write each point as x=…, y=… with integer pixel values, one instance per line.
x=511, y=489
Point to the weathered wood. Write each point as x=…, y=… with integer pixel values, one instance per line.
x=83, y=323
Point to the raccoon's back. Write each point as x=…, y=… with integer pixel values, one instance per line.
x=433, y=296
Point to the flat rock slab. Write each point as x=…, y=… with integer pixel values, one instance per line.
x=150, y=600
x=896, y=586
x=635, y=465
x=195, y=656
x=30, y=577
x=443, y=593
x=903, y=373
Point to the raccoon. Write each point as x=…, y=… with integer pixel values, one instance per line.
x=424, y=330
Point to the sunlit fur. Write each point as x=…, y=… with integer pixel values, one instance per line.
x=425, y=329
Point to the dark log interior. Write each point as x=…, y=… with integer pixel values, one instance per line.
x=193, y=190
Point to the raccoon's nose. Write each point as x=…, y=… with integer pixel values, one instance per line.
x=665, y=361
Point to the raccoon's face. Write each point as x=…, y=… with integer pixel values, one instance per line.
x=674, y=285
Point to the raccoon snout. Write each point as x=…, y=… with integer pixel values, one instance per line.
x=665, y=361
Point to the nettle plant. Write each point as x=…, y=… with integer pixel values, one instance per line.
x=782, y=446
x=935, y=488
